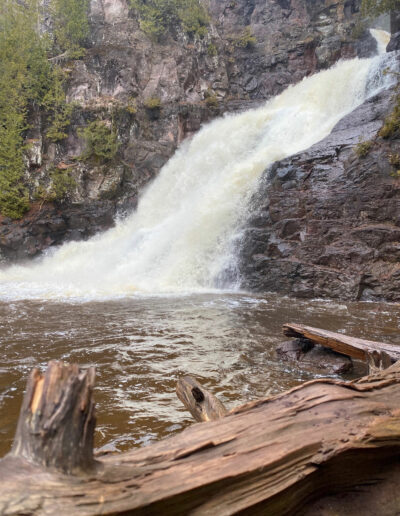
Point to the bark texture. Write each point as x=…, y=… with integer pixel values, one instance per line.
x=280, y=455
x=57, y=421
x=203, y=405
x=344, y=344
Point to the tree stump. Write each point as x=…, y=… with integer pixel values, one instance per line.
x=57, y=420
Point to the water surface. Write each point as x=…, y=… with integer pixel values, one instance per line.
x=141, y=346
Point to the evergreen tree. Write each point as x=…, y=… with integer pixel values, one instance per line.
x=20, y=56
x=377, y=7
x=28, y=79
x=159, y=16
x=71, y=25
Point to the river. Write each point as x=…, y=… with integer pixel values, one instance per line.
x=141, y=345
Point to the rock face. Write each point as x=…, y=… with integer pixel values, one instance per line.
x=394, y=43
x=123, y=68
x=326, y=222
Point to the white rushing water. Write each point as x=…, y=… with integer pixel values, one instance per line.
x=178, y=240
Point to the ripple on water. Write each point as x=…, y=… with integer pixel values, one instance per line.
x=140, y=347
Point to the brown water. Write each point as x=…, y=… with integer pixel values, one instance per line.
x=141, y=346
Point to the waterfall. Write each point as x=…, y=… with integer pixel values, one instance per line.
x=178, y=240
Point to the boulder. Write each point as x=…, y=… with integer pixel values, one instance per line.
x=314, y=357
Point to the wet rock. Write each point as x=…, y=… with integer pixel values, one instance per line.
x=394, y=43
x=52, y=224
x=308, y=356
x=333, y=230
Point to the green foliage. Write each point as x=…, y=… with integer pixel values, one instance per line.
x=194, y=18
x=212, y=50
x=24, y=76
x=210, y=98
x=377, y=7
x=13, y=195
x=391, y=125
x=60, y=112
x=358, y=29
x=28, y=79
x=43, y=195
x=246, y=39
x=62, y=184
x=394, y=160
x=14, y=200
x=157, y=17
x=131, y=107
x=152, y=103
x=363, y=148
x=101, y=141
x=71, y=25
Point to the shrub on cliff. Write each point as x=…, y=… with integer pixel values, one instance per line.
x=71, y=25
x=100, y=140
x=212, y=50
x=152, y=103
x=391, y=125
x=377, y=7
x=62, y=183
x=159, y=16
x=24, y=79
x=210, y=98
x=246, y=39
x=59, y=110
x=362, y=148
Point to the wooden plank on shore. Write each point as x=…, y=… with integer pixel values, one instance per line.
x=350, y=346
x=275, y=456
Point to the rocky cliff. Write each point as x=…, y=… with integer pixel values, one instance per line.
x=326, y=222
x=252, y=50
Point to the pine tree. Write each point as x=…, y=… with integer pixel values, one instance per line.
x=377, y=7
x=71, y=25
x=16, y=85
x=27, y=79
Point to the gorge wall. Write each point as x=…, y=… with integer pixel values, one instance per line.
x=326, y=222
x=195, y=80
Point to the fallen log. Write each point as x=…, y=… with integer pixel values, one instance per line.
x=344, y=344
x=278, y=456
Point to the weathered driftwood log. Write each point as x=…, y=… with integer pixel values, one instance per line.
x=350, y=346
x=203, y=405
x=276, y=456
x=56, y=422
x=378, y=360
